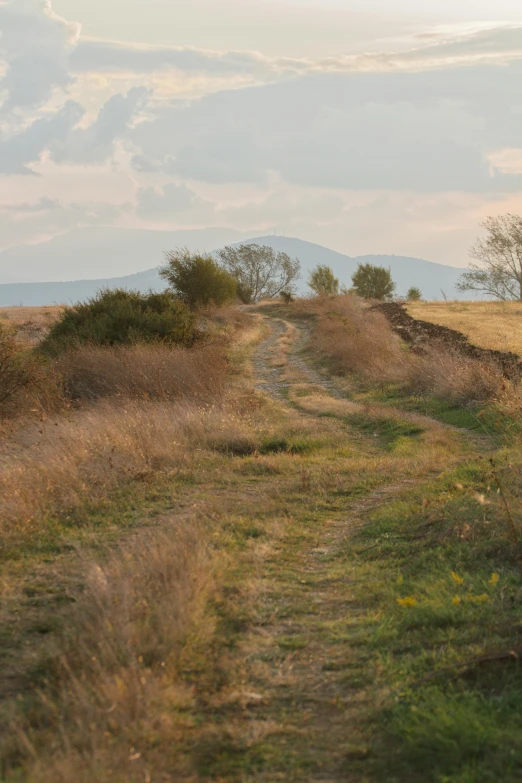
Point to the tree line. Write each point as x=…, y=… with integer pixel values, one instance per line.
x=251, y=272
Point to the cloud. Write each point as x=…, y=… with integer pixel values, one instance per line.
x=25, y=148
x=95, y=144
x=158, y=204
x=35, y=45
x=43, y=205
x=495, y=45
x=418, y=131
x=30, y=222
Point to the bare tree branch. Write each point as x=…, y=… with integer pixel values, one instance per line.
x=498, y=271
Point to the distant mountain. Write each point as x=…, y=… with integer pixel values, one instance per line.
x=430, y=277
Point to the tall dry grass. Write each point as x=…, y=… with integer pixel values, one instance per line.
x=116, y=676
x=354, y=338
x=55, y=467
x=358, y=340
x=143, y=371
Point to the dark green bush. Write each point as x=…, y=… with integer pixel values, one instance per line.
x=197, y=279
x=122, y=317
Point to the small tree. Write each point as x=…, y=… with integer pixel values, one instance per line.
x=414, y=294
x=261, y=272
x=498, y=271
x=198, y=279
x=323, y=281
x=372, y=282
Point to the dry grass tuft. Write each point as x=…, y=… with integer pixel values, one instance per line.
x=117, y=672
x=153, y=372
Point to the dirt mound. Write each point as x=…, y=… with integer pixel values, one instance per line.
x=420, y=333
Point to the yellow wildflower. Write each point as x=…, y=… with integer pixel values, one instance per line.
x=459, y=580
x=455, y=601
x=480, y=599
x=409, y=600
x=493, y=580
x=400, y=580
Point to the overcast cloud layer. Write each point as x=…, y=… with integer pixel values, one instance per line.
x=392, y=151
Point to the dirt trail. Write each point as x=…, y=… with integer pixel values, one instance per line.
x=296, y=370
x=304, y=685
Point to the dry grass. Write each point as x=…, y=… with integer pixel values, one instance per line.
x=355, y=339
x=29, y=324
x=360, y=341
x=455, y=377
x=155, y=372
x=494, y=325
x=116, y=673
x=58, y=466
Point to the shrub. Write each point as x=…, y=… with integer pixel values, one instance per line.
x=414, y=294
x=287, y=297
x=322, y=281
x=373, y=282
x=122, y=317
x=198, y=279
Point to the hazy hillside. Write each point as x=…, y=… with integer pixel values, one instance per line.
x=103, y=251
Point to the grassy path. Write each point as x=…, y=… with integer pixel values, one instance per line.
x=304, y=680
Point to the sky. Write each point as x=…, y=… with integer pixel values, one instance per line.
x=369, y=127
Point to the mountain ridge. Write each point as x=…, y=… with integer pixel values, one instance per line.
x=432, y=278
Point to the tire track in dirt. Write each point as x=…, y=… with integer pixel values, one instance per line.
x=271, y=380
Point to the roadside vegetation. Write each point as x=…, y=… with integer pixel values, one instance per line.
x=258, y=544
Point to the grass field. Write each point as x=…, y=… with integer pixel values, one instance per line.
x=307, y=574
x=30, y=324
x=496, y=325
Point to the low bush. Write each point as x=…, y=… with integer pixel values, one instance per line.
x=119, y=317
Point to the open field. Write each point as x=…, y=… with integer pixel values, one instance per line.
x=309, y=573
x=29, y=324
x=495, y=325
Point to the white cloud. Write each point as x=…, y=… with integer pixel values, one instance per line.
x=95, y=144
x=506, y=161
x=25, y=148
x=35, y=44
x=424, y=131
x=493, y=45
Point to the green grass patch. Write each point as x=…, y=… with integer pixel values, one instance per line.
x=442, y=587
